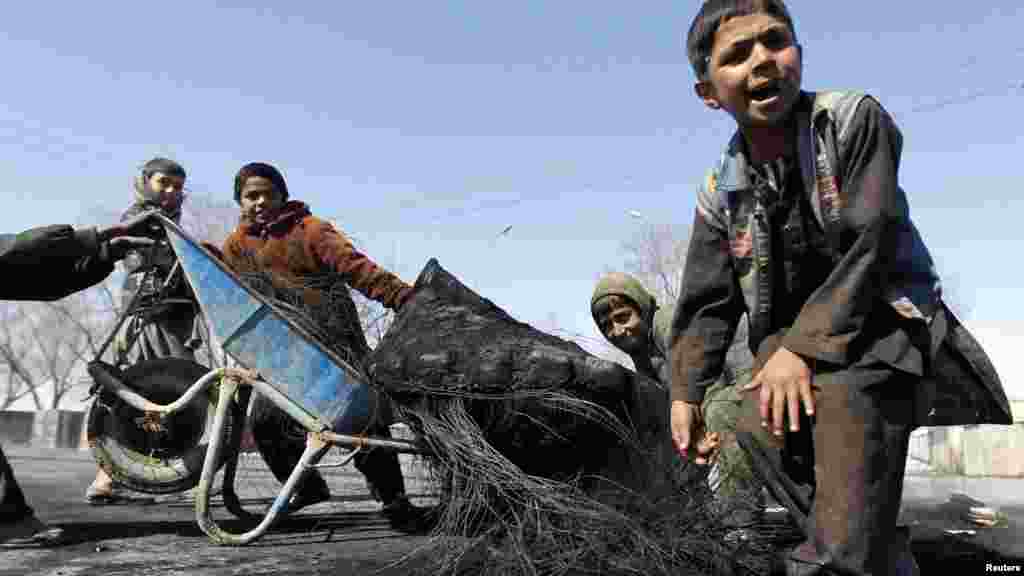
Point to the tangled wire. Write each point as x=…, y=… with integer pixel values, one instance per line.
x=322, y=304
x=496, y=519
x=548, y=460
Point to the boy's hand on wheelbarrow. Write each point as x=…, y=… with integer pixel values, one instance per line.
x=785, y=382
x=119, y=247
x=687, y=427
x=139, y=226
x=214, y=249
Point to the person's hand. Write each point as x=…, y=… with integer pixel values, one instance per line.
x=139, y=226
x=402, y=298
x=688, y=433
x=214, y=249
x=120, y=246
x=785, y=382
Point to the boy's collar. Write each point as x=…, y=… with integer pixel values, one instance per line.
x=277, y=223
x=734, y=172
x=147, y=205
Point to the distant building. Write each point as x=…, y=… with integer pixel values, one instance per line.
x=970, y=450
x=23, y=423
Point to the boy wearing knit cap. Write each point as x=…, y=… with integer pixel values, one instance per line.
x=631, y=319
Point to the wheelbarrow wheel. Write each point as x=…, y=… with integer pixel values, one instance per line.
x=167, y=460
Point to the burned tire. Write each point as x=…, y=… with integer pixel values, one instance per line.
x=163, y=462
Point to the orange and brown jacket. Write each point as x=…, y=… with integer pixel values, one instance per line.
x=294, y=245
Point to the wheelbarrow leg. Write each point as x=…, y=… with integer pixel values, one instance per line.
x=316, y=447
x=226, y=392
x=230, y=495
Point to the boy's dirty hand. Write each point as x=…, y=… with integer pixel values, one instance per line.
x=687, y=427
x=785, y=383
x=120, y=247
x=213, y=248
x=142, y=225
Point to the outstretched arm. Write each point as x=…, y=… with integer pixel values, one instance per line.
x=709, y=308
x=51, y=262
x=334, y=250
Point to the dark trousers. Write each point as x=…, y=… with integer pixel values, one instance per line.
x=853, y=454
x=281, y=442
x=12, y=501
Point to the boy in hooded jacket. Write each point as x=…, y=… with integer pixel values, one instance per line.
x=279, y=239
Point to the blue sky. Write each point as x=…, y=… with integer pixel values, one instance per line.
x=425, y=129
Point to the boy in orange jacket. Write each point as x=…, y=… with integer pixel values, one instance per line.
x=280, y=239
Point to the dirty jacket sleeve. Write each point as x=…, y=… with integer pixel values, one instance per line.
x=873, y=210
x=230, y=251
x=706, y=315
x=51, y=262
x=331, y=248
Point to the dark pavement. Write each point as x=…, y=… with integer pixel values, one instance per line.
x=159, y=535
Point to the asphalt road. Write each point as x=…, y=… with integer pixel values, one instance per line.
x=159, y=535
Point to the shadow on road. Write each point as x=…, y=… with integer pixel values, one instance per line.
x=937, y=552
x=297, y=530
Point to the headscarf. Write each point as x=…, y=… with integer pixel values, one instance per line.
x=146, y=196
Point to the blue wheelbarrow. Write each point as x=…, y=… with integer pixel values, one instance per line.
x=276, y=356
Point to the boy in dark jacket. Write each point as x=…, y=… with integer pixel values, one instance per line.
x=160, y=186
x=49, y=263
x=803, y=226
x=280, y=239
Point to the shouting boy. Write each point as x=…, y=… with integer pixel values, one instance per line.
x=803, y=226
x=280, y=240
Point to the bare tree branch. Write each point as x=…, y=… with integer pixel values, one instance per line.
x=655, y=254
x=60, y=308
x=15, y=359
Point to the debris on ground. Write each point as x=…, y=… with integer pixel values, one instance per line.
x=978, y=512
x=986, y=516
